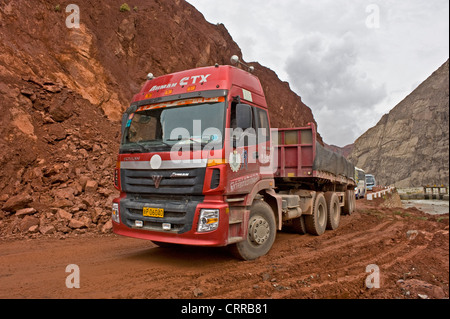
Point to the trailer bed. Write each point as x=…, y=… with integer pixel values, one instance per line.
x=301, y=156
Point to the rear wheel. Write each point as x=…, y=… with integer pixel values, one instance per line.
x=333, y=210
x=317, y=222
x=353, y=203
x=298, y=225
x=261, y=233
x=350, y=202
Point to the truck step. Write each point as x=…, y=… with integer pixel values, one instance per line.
x=233, y=240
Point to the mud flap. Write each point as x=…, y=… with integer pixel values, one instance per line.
x=238, y=224
x=275, y=203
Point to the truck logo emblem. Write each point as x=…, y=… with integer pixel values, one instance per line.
x=174, y=175
x=235, y=161
x=157, y=179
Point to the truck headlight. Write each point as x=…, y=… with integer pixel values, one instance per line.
x=115, y=213
x=209, y=220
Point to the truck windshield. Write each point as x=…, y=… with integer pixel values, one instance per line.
x=166, y=126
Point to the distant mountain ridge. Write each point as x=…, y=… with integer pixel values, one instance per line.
x=344, y=151
x=409, y=146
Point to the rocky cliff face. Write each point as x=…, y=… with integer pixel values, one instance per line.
x=344, y=151
x=409, y=146
x=62, y=92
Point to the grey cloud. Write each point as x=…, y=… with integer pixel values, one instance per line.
x=349, y=74
x=324, y=70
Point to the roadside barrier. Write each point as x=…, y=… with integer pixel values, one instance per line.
x=371, y=196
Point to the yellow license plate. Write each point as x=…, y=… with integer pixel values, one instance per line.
x=153, y=212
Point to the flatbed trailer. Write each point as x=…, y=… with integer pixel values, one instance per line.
x=316, y=175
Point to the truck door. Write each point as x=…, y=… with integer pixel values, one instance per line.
x=243, y=157
x=264, y=153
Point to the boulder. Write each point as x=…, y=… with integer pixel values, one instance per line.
x=17, y=202
x=82, y=222
x=91, y=186
x=61, y=107
x=27, y=222
x=61, y=203
x=75, y=224
x=33, y=229
x=421, y=289
x=25, y=211
x=106, y=228
x=63, y=214
x=47, y=229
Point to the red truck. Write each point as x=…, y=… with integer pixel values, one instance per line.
x=199, y=164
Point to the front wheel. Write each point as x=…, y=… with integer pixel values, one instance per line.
x=261, y=233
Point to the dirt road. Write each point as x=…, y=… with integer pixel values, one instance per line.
x=409, y=249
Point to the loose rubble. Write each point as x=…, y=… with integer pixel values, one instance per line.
x=67, y=185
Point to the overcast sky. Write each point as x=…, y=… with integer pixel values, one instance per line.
x=351, y=61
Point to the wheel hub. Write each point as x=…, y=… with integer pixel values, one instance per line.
x=258, y=230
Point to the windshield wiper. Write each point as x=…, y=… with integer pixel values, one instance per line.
x=144, y=148
x=162, y=142
x=137, y=150
x=185, y=139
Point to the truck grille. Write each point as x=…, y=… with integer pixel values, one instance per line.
x=167, y=181
x=179, y=211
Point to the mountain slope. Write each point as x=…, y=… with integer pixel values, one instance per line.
x=409, y=146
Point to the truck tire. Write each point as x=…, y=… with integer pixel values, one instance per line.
x=350, y=202
x=333, y=210
x=261, y=233
x=353, y=203
x=317, y=222
x=298, y=224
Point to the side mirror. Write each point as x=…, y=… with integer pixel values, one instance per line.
x=243, y=116
x=124, y=122
x=125, y=116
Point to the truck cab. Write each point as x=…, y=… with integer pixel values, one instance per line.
x=370, y=182
x=360, y=179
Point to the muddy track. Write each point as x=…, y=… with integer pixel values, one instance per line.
x=298, y=266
